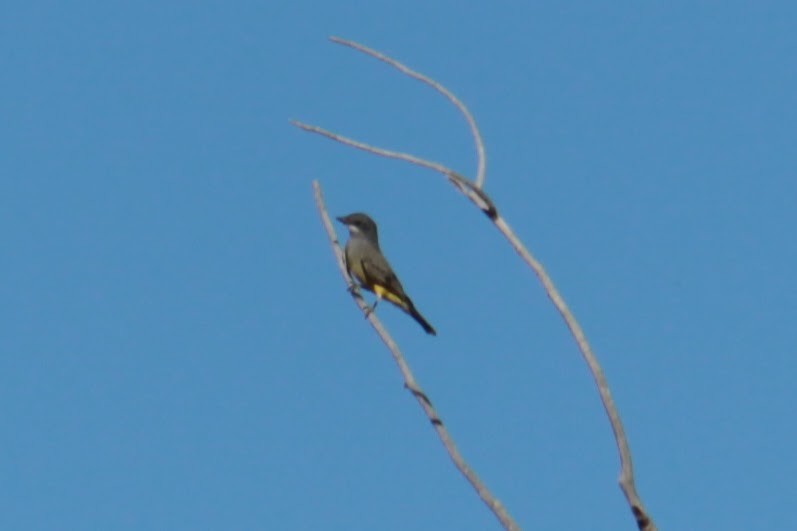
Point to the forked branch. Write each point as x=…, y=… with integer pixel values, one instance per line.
x=481, y=154
x=473, y=190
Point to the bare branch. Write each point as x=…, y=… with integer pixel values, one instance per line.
x=409, y=379
x=474, y=191
x=481, y=172
x=626, y=480
x=464, y=185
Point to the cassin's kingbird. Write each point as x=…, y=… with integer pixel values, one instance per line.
x=370, y=268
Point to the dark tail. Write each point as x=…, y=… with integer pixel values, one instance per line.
x=429, y=329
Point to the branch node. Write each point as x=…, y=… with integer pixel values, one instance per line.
x=642, y=519
x=418, y=393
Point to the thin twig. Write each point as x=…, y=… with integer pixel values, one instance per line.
x=409, y=379
x=481, y=153
x=474, y=192
x=477, y=195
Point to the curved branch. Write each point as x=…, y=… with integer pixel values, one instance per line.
x=627, y=484
x=475, y=194
x=481, y=154
x=409, y=379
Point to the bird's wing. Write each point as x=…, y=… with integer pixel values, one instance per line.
x=378, y=272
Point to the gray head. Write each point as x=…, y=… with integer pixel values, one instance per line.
x=361, y=224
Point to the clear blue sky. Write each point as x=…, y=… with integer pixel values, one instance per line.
x=178, y=350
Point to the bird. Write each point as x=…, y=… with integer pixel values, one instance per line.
x=369, y=267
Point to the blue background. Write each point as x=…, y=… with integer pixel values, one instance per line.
x=177, y=349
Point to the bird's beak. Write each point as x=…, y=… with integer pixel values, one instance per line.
x=342, y=219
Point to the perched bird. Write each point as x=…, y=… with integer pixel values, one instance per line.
x=369, y=267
